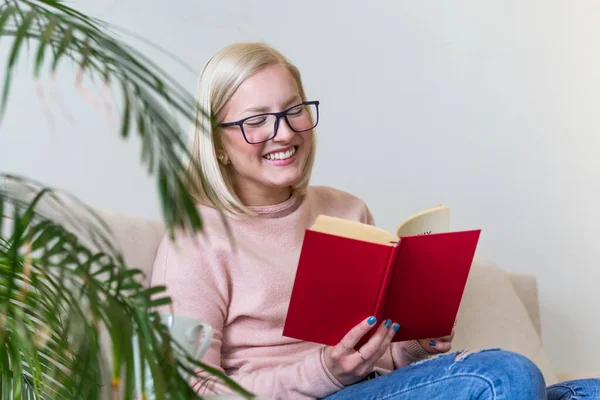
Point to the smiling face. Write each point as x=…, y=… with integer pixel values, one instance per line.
x=264, y=173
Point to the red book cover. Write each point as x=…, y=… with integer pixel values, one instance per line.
x=417, y=283
x=337, y=285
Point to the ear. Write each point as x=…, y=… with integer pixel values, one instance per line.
x=220, y=150
x=222, y=157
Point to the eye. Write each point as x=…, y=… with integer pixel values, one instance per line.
x=296, y=111
x=255, y=122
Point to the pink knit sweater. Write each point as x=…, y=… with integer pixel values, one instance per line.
x=244, y=294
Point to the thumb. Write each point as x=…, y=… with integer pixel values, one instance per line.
x=429, y=345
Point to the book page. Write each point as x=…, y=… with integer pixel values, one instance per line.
x=432, y=220
x=352, y=230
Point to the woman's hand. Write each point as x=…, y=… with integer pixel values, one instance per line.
x=438, y=345
x=349, y=365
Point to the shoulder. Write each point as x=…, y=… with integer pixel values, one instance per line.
x=330, y=194
x=189, y=247
x=339, y=203
x=184, y=258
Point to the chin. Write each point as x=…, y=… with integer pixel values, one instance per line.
x=283, y=179
x=282, y=183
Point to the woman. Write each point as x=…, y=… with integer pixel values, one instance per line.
x=256, y=167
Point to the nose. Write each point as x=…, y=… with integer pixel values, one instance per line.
x=284, y=133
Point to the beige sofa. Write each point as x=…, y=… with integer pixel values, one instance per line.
x=497, y=310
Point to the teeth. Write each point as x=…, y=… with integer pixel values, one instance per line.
x=281, y=155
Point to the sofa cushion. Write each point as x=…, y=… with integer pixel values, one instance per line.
x=138, y=239
x=526, y=288
x=492, y=315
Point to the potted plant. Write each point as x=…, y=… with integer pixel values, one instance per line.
x=63, y=283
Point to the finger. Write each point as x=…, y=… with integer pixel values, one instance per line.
x=443, y=347
x=448, y=338
x=445, y=339
x=436, y=345
x=372, y=348
x=385, y=344
x=429, y=345
x=356, y=333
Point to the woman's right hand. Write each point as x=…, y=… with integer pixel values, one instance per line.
x=349, y=365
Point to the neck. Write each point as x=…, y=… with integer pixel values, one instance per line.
x=252, y=196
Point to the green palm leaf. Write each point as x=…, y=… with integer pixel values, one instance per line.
x=153, y=102
x=63, y=281
x=58, y=288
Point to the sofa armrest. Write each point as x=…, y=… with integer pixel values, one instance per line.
x=526, y=288
x=569, y=376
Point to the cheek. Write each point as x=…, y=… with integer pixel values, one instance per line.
x=241, y=152
x=307, y=139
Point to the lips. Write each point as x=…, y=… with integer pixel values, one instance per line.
x=283, y=154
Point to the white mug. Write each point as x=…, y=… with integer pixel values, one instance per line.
x=193, y=335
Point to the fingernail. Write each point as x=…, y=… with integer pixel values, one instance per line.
x=388, y=323
x=432, y=343
x=396, y=327
x=371, y=320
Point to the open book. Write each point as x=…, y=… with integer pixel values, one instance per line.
x=348, y=271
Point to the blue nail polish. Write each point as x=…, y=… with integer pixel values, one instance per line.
x=388, y=323
x=432, y=343
x=396, y=327
x=371, y=320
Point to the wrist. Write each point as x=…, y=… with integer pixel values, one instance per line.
x=327, y=367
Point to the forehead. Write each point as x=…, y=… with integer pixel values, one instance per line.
x=270, y=87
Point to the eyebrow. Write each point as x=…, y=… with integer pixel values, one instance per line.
x=266, y=109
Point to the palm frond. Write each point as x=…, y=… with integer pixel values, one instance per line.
x=152, y=101
x=62, y=281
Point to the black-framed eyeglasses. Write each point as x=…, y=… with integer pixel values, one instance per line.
x=263, y=127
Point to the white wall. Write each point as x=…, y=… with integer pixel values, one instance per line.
x=489, y=107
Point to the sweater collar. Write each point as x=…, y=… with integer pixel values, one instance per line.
x=278, y=210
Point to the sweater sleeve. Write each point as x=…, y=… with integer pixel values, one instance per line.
x=198, y=283
x=306, y=379
x=405, y=353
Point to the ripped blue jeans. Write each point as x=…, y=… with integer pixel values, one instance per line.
x=491, y=374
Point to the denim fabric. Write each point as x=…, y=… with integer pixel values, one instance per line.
x=575, y=390
x=490, y=374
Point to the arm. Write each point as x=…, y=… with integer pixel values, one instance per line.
x=308, y=378
x=197, y=280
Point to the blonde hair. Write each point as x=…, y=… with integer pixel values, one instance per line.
x=210, y=181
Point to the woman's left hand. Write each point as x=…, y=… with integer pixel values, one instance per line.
x=437, y=345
